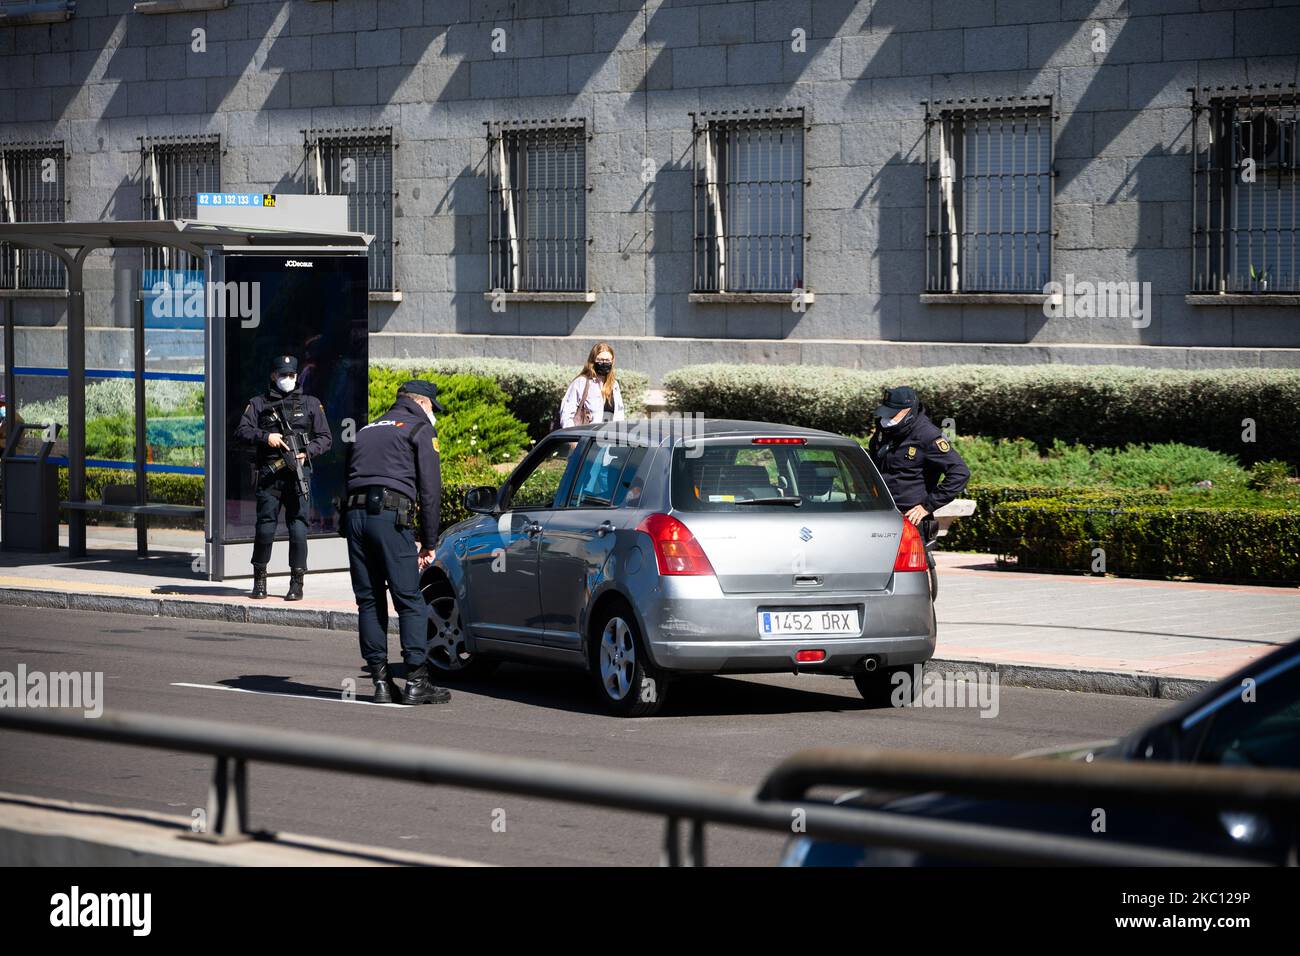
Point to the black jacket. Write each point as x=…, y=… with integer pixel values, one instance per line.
x=304, y=414
x=400, y=451
x=912, y=456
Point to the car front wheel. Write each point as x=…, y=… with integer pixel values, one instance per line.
x=448, y=657
x=629, y=684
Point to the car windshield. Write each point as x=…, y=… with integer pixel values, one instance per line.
x=744, y=476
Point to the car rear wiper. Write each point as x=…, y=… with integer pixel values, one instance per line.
x=778, y=500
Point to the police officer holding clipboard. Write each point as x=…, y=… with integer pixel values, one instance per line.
x=392, y=465
x=920, y=466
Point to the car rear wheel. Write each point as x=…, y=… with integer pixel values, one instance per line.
x=629, y=684
x=448, y=657
x=879, y=688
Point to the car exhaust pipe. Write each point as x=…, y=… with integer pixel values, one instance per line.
x=870, y=664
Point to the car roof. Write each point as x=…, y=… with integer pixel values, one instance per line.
x=656, y=431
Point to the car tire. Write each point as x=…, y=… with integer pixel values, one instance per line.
x=933, y=573
x=628, y=683
x=878, y=688
x=448, y=658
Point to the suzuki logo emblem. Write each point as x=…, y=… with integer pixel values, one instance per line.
x=805, y=534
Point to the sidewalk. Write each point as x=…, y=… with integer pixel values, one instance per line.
x=1102, y=635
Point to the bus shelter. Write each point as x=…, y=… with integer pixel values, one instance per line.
x=256, y=250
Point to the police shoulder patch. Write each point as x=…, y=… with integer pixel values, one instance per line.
x=943, y=445
x=435, y=445
x=911, y=451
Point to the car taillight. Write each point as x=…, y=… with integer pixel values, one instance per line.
x=911, y=550
x=780, y=441
x=676, y=549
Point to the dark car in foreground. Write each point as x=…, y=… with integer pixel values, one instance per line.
x=1251, y=719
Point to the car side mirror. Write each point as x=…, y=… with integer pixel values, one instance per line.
x=481, y=500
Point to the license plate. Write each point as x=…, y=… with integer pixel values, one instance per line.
x=813, y=621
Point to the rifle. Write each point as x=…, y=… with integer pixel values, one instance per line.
x=290, y=455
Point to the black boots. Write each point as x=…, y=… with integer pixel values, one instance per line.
x=418, y=690
x=259, y=581
x=384, y=686
x=295, y=584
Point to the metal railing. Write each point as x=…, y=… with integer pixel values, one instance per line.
x=692, y=804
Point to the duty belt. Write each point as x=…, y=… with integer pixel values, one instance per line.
x=394, y=500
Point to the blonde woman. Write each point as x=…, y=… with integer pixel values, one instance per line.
x=594, y=396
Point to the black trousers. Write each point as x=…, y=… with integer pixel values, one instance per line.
x=273, y=493
x=382, y=557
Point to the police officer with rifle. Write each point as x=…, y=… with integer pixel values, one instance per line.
x=286, y=430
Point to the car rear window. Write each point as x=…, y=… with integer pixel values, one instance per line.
x=747, y=477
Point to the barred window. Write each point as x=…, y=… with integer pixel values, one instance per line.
x=174, y=171
x=988, y=195
x=358, y=163
x=1246, y=191
x=537, y=201
x=31, y=190
x=749, y=201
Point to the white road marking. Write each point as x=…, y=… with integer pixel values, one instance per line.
x=272, y=693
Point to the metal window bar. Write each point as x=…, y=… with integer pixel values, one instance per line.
x=748, y=208
x=174, y=170
x=32, y=190
x=537, y=193
x=988, y=194
x=1245, y=189
x=358, y=163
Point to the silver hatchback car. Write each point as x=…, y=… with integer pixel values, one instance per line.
x=636, y=553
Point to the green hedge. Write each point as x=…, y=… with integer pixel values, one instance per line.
x=533, y=391
x=1092, y=405
x=1225, y=544
x=477, y=421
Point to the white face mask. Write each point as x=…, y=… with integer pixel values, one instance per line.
x=286, y=383
x=433, y=420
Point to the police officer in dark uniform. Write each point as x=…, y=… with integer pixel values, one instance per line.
x=393, y=462
x=267, y=418
x=920, y=466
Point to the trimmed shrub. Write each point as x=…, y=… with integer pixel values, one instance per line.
x=477, y=422
x=533, y=390
x=1225, y=544
x=1097, y=406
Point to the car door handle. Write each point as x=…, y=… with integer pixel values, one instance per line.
x=604, y=528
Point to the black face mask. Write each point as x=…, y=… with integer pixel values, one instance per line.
x=602, y=368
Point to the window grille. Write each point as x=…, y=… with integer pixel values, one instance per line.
x=749, y=201
x=537, y=201
x=988, y=195
x=31, y=190
x=358, y=163
x=1245, y=190
x=174, y=171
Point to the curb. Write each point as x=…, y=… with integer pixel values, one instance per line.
x=183, y=609
x=1082, y=681
x=1010, y=675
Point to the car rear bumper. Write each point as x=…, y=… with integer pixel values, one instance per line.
x=694, y=626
